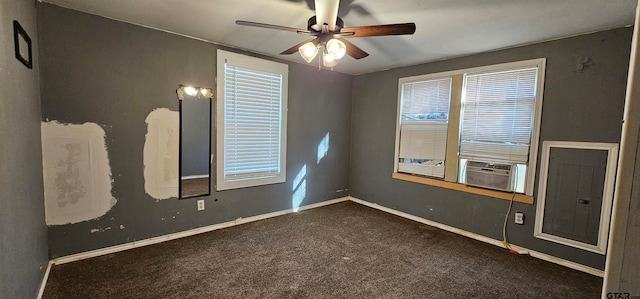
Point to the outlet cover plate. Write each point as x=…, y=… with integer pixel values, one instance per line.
x=519, y=218
x=200, y=204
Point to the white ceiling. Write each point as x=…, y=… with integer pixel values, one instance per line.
x=445, y=28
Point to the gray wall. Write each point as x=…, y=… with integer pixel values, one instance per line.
x=93, y=68
x=112, y=73
x=579, y=105
x=23, y=234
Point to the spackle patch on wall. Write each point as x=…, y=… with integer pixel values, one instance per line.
x=161, y=160
x=76, y=172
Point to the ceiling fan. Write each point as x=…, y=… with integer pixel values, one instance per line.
x=330, y=34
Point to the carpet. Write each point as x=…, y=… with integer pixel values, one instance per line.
x=343, y=250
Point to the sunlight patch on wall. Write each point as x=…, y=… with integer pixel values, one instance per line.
x=299, y=188
x=323, y=147
x=76, y=172
x=160, y=156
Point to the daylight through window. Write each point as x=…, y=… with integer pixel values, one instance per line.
x=484, y=129
x=251, y=121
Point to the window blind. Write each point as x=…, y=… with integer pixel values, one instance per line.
x=426, y=100
x=423, y=129
x=497, y=117
x=252, y=123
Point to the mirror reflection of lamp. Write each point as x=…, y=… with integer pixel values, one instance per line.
x=190, y=90
x=195, y=141
x=207, y=92
x=194, y=91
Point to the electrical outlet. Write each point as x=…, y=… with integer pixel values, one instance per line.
x=519, y=218
x=200, y=204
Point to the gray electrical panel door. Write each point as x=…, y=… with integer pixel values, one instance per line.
x=575, y=187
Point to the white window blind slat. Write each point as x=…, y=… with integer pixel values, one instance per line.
x=422, y=99
x=494, y=152
x=497, y=117
x=251, y=104
x=252, y=166
x=423, y=141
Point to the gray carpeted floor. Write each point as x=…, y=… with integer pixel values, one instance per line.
x=344, y=250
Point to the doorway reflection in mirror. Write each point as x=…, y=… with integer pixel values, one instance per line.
x=195, y=140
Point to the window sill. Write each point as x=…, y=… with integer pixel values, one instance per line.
x=464, y=188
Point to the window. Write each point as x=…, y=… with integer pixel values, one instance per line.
x=251, y=121
x=477, y=126
x=423, y=128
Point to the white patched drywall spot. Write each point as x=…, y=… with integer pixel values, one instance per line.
x=76, y=172
x=160, y=156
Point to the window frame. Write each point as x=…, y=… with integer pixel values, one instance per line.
x=436, y=122
x=401, y=81
x=540, y=63
x=254, y=64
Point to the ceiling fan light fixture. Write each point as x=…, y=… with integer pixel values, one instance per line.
x=337, y=48
x=327, y=28
x=308, y=51
x=329, y=59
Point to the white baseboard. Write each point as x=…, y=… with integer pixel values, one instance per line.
x=195, y=231
x=518, y=249
x=568, y=264
x=150, y=241
x=189, y=177
x=45, y=277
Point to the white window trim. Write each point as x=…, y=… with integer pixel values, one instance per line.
x=540, y=63
x=396, y=163
x=256, y=64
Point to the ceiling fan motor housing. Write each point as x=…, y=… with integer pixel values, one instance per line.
x=312, y=23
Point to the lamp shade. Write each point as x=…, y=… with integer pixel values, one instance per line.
x=190, y=90
x=308, y=51
x=207, y=92
x=329, y=60
x=337, y=48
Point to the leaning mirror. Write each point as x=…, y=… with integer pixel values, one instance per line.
x=195, y=140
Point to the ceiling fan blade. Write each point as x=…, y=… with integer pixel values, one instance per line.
x=294, y=49
x=353, y=50
x=269, y=26
x=380, y=30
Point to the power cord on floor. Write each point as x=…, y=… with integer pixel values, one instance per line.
x=506, y=219
x=504, y=227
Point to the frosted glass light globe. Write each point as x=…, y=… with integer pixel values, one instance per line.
x=337, y=48
x=308, y=51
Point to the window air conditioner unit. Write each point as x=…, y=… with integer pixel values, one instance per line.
x=490, y=175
